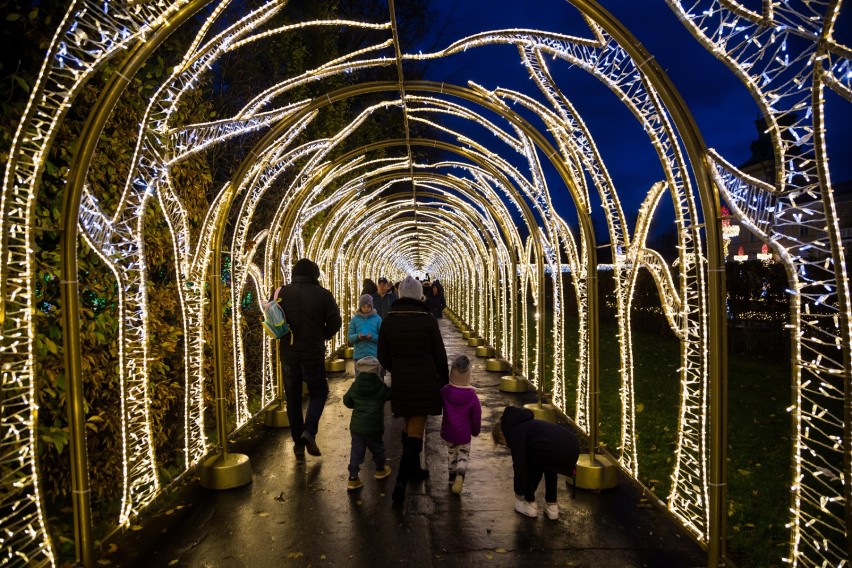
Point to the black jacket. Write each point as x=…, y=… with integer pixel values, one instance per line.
x=539, y=444
x=313, y=317
x=412, y=350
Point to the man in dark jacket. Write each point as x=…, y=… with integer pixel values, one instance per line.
x=538, y=448
x=383, y=299
x=412, y=350
x=314, y=318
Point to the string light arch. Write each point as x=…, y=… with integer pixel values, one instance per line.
x=786, y=57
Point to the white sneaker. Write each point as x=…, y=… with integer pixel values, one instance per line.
x=551, y=510
x=526, y=508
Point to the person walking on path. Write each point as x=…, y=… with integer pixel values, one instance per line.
x=384, y=298
x=366, y=397
x=369, y=287
x=314, y=318
x=363, y=330
x=412, y=350
x=462, y=420
x=538, y=448
x=436, y=301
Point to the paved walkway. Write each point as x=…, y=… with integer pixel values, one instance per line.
x=300, y=514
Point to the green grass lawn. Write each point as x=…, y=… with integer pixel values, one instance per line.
x=759, y=447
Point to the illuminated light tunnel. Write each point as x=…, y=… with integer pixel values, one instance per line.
x=463, y=190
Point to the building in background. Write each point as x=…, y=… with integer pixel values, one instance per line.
x=744, y=245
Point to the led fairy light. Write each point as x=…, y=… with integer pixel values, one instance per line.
x=267, y=390
x=140, y=481
x=775, y=54
x=75, y=52
x=615, y=223
x=567, y=247
x=230, y=43
x=493, y=235
x=316, y=149
x=167, y=98
x=814, y=487
x=141, y=472
x=615, y=69
x=362, y=237
x=248, y=270
x=605, y=59
x=260, y=184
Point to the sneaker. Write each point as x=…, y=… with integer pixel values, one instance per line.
x=551, y=510
x=354, y=483
x=310, y=443
x=526, y=508
x=383, y=473
x=457, y=484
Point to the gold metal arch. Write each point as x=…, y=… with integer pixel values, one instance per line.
x=155, y=19
x=472, y=95
x=591, y=407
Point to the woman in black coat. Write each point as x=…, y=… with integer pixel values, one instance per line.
x=412, y=350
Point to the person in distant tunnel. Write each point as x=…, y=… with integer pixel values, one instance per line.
x=436, y=300
x=314, y=318
x=412, y=349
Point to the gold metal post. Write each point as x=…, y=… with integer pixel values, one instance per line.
x=72, y=352
x=514, y=382
x=276, y=414
x=224, y=470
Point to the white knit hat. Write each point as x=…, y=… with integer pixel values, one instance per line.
x=366, y=299
x=367, y=365
x=411, y=288
x=460, y=371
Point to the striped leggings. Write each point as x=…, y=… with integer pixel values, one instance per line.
x=457, y=457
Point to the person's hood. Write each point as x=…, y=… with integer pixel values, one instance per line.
x=368, y=384
x=372, y=313
x=367, y=365
x=513, y=416
x=457, y=395
x=305, y=270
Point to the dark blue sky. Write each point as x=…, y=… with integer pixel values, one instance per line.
x=722, y=107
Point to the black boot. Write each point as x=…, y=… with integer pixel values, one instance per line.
x=402, y=475
x=417, y=473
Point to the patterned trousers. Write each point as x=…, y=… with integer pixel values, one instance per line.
x=457, y=457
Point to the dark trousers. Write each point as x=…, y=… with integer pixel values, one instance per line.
x=549, y=484
x=360, y=445
x=312, y=372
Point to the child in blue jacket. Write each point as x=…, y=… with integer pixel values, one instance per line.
x=364, y=327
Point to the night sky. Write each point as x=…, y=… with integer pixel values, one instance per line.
x=722, y=107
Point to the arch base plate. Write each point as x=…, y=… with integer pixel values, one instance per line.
x=595, y=472
x=515, y=383
x=225, y=471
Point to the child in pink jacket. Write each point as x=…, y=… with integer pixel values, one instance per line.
x=462, y=419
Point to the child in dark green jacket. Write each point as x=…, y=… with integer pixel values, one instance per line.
x=366, y=397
